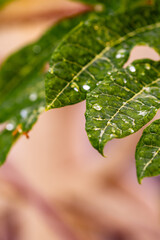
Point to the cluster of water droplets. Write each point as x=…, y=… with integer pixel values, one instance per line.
x=121, y=53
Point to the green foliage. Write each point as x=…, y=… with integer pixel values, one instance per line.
x=93, y=49
x=148, y=152
x=88, y=64
x=4, y=2
x=123, y=103
x=22, y=96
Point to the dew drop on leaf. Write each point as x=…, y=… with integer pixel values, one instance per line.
x=24, y=113
x=33, y=97
x=97, y=107
x=10, y=126
x=86, y=87
x=132, y=68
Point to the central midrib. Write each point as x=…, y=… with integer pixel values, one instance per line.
x=148, y=163
x=137, y=94
x=98, y=56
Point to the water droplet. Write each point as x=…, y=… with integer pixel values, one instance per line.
x=131, y=130
x=147, y=89
x=86, y=87
x=142, y=113
x=124, y=80
x=124, y=120
x=50, y=70
x=113, y=135
x=75, y=86
x=98, y=83
x=36, y=49
x=120, y=53
x=97, y=107
x=75, y=89
x=33, y=97
x=10, y=126
x=24, y=113
x=132, y=68
x=147, y=66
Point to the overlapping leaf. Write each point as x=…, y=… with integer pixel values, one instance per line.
x=93, y=49
x=148, y=152
x=22, y=96
x=123, y=103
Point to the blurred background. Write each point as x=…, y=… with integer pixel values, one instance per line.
x=55, y=185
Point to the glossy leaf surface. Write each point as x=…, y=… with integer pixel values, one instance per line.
x=93, y=49
x=22, y=95
x=148, y=152
x=123, y=103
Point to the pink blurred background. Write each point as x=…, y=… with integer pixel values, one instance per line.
x=55, y=185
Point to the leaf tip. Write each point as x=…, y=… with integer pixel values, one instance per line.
x=47, y=108
x=140, y=180
x=101, y=151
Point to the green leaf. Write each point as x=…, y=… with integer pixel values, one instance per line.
x=95, y=48
x=6, y=142
x=22, y=95
x=124, y=102
x=148, y=152
x=4, y=2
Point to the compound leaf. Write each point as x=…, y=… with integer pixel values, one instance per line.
x=22, y=94
x=148, y=152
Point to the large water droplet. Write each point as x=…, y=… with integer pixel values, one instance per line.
x=142, y=113
x=33, y=97
x=98, y=83
x=97, y=107
x=10, y=126
x=75, y=89
x=86, y=87
x=24, y=113
x=147, y=66
x=120, y=53
x=131, y=130
x=132, y=68
x=124, y=80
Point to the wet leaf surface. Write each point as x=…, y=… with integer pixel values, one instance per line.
x=148, y=152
